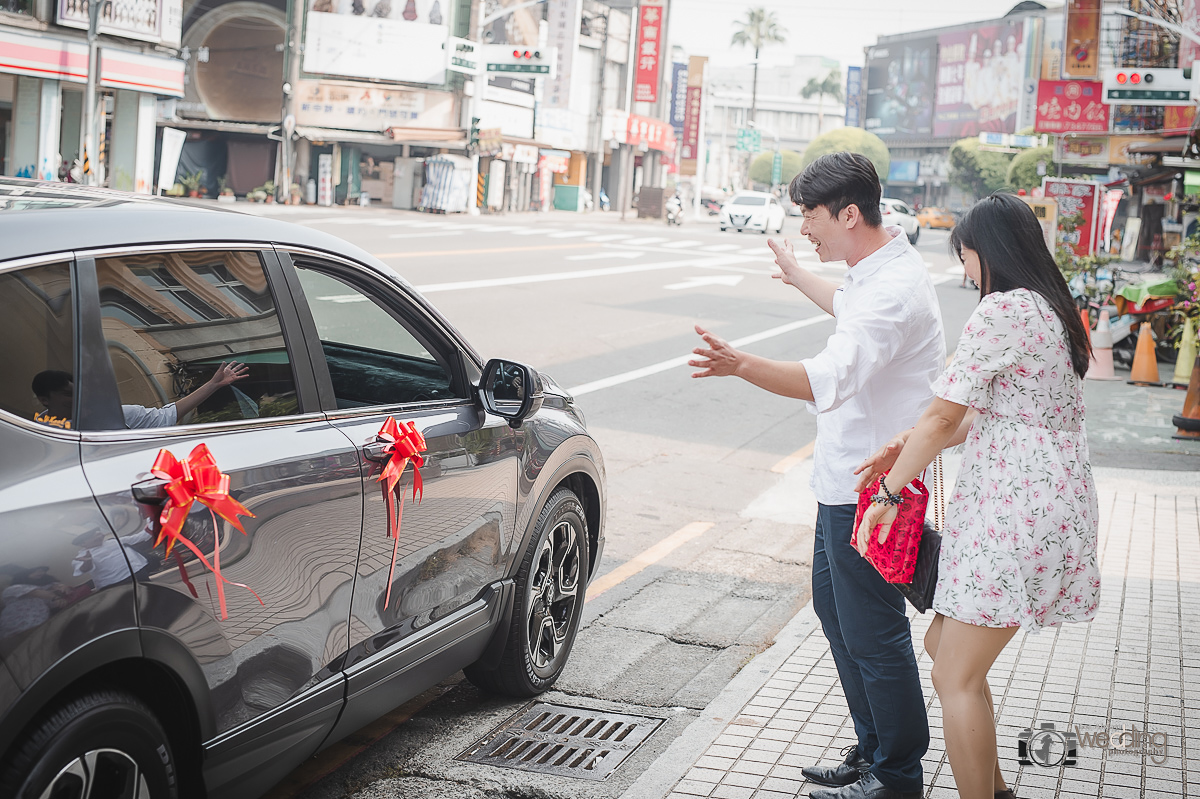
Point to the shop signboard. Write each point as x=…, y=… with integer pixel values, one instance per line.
x=1070, y=106
x=1078, y=200
x=693, y=102
x=563, y=35
x=648, y=54
x=654, y=133
x=356, y=106
x=397, y=40
x=679, y=87
x=1046, y=212
x=1118, y=150
x=854, y=98
x=979, y=79
x=1081, y=41
x=900, y=88
x=129, y=19
x=1081, y=150
x=1179, y=118
x=325, y=179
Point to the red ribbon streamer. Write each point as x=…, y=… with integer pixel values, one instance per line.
x=198, y=479
x=402, y=443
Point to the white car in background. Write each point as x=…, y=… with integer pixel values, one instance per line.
x=753, y=210
x=896, y=212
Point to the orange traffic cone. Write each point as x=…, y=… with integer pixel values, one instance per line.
x=1145, y=364
x=1189, y=421
x=1101, y=365
x=1087, y=323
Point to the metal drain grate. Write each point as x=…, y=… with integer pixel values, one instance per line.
x=566, y=741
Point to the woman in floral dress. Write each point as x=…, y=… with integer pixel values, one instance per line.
x=1019, y=544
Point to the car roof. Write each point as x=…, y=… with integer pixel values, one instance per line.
x=753, y=194
x=38, y=218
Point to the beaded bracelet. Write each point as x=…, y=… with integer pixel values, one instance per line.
x=886, y=497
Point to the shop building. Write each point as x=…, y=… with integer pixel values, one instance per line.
x=43, y=73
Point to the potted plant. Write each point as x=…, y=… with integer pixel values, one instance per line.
x=191, y=182
x=226, y=194
x=268, y=188
x=296, y=195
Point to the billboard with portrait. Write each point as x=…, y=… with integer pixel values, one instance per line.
x=980, y=76
x=900, y=88
x=397, y=40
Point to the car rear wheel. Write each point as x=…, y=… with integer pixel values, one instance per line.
x=916, y=234
x=550, y=589
x=102, y=745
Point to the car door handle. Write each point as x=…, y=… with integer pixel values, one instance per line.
x=150, y=492
x=376, y=451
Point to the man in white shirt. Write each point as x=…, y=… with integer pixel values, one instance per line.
x=873, y=379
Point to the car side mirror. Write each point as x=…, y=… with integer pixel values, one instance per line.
x=510, y=390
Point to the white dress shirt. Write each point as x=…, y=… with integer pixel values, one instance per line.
x=875, y=376
x=139, y=416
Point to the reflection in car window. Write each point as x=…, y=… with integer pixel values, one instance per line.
x=36, y=338
x=194, y=338
x=373, y=359
x=749, y=201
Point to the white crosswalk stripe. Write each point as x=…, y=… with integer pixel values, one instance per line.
x=681, y=244
x=645, y=240
x=609, y=237
x=569, y=234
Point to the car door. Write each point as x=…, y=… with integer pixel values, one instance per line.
x=378, y=353
x=157, y=327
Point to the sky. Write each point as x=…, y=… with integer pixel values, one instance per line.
x=835, y=28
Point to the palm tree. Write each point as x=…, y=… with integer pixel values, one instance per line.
x=759, y=29
x=830, y=85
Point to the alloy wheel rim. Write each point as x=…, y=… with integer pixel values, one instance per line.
x=99, y=774
x=552, y=595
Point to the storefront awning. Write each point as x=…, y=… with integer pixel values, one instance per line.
x=452, y=138
x=1174, y=145
x=344, y=136
x=254, y=128
x=1151, y=177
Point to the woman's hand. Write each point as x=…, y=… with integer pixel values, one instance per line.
x=881, y=462
x=876, y=515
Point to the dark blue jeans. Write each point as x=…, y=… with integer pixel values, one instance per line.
x=864, y=619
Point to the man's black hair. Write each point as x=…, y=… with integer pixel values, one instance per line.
x=50, y=380
x=837, y=181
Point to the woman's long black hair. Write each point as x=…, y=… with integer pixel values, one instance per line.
x=1013, y=255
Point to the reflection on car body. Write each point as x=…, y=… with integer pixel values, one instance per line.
x=140, y=303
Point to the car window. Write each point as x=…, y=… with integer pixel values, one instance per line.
x=194, y=337
x=36, y=344
x=373, y=358
x=749, y=201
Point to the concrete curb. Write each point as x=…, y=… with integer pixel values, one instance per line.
x=671, y=766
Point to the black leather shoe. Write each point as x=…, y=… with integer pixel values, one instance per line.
x=869, y=787
x=847, y=772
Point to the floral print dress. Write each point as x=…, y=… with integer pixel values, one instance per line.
x=1019, y=544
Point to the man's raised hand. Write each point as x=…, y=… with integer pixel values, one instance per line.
x=721, y=360
x=785, y=259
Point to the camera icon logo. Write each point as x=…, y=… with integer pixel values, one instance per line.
x=1046, y=746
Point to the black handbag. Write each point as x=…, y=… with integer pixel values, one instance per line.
x=919, y=592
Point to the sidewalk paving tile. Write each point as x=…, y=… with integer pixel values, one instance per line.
x=1136, y=665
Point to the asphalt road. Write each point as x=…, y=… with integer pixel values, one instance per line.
x=709, y=517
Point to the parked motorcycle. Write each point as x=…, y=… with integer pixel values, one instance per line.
x=1128, y=305
x=674, y=211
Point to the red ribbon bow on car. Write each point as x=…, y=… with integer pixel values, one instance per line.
x=198, y=479
x=402, y=443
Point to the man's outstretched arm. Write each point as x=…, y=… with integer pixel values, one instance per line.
x=817, y=289
x=785, y=378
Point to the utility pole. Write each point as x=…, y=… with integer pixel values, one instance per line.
x=291, y=72
x=90, y=156
x=597, y=173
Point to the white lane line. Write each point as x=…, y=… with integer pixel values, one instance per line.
x=721, y=247
x=714, y=280
x=678, y=245
x=416, y=235
x=599, y=256
x=610, y=237
x=646, y=240
x=662, y=366
x=569, y=234
x=520, y=280
x=532, y=231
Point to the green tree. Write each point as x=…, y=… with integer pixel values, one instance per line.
x=851, y=140
x=830, y=85
x=760, y=167
x=977, y=171
x=1023, y=171
x=757, y=30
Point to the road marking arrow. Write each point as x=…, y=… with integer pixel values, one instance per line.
x=715, y=280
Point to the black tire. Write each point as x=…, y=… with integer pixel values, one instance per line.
x=107, y=734
x=916, y=235
x=542, y=633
